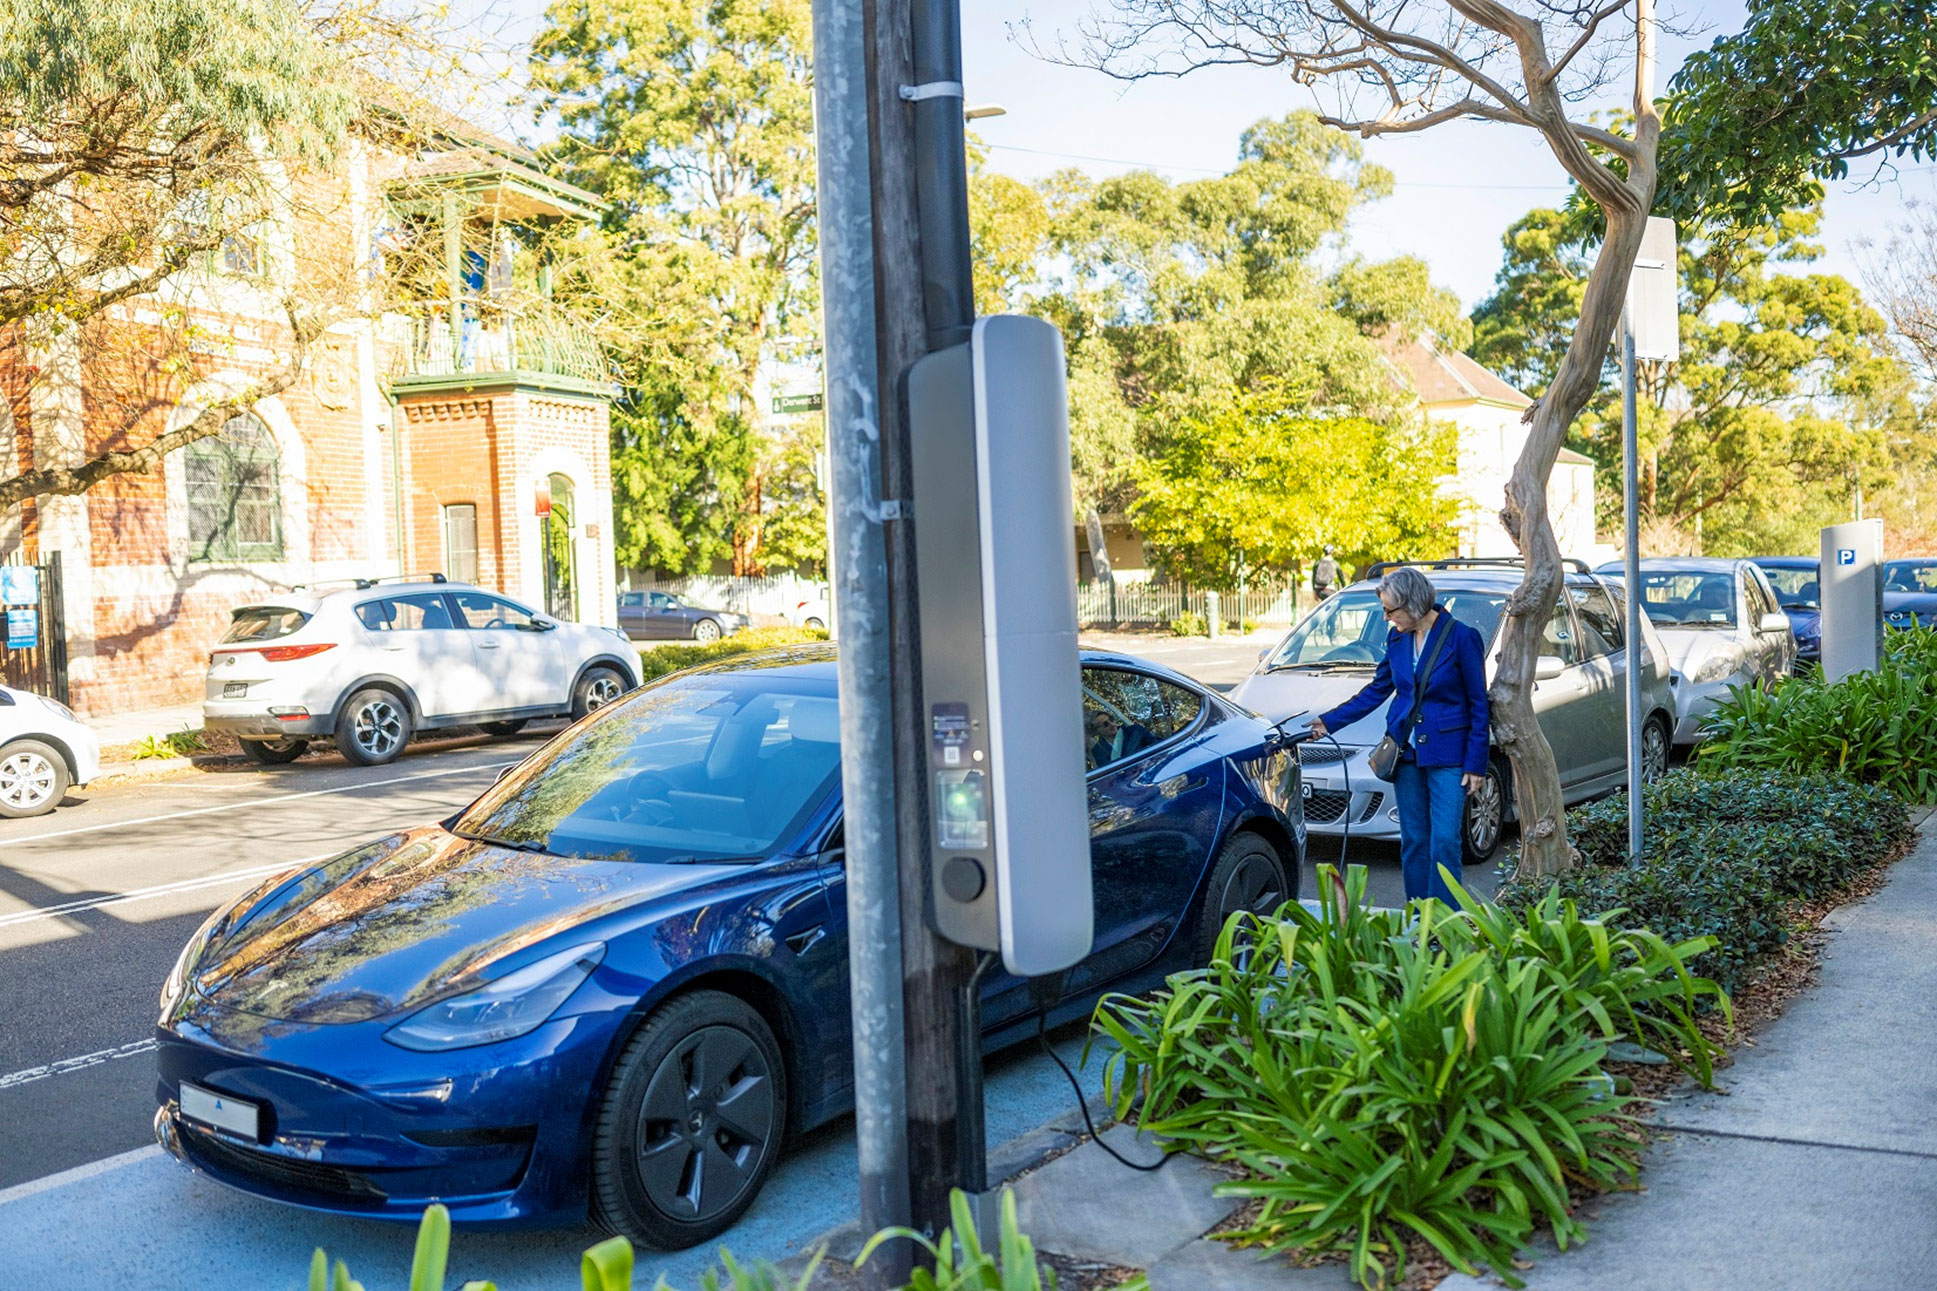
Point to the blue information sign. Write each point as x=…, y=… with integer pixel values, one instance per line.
x=23, y=629
x=19, y=585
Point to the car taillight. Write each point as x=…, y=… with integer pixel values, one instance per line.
x=283, y=654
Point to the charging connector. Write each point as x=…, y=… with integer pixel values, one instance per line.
x=1047, y=992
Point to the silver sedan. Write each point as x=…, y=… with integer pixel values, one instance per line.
x=1579, y=697
x=1722, y=626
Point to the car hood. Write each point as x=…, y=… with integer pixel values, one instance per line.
x=1921, y=602
x=1687, y=648
x=409, y=919
x=1278, y=695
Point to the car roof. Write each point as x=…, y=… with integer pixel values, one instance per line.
x=818, y=660
x=1912, y=560
x=1786, y=562
x=311, y=598
x=1682, y=565
x=1477, y=578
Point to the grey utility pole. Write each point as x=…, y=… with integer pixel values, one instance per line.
x=859, y=577
x=924, y=301
x=1650, y=329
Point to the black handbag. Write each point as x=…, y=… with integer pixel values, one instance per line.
x=1385, y=754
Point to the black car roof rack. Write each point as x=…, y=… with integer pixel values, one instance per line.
x=1469, y=562
x=364, y=584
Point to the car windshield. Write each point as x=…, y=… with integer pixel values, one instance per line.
x=1349, y=630
x=708, y=768
x=1795, y=588
x=263, y=623
x=1688, y=598
x=1915, y=576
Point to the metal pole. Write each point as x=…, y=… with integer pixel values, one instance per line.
x=858, y=583
x=1631, y=503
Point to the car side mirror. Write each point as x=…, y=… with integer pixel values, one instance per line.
x=1774, y=621
x=1547, y=667
x=1264, y=654
x=503, y=772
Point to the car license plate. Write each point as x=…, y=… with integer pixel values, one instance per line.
x=236, y=1115
x=234, y=689
x=1306, y=788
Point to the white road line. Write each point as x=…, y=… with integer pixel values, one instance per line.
x=21, y=1191
x=82, y=1063
x=253, y=802
x=159, y=890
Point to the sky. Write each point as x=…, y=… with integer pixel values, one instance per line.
x=1456, y=187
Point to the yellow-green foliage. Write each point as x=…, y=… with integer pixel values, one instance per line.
x=662, y=660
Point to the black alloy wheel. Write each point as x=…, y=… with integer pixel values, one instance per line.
x=274, y=753
x=1654, y=749
x=1249, y=875
x=597, y=688
x=690, y=1123
x=1486, y=817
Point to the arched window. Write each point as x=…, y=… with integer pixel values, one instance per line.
x=234, y=493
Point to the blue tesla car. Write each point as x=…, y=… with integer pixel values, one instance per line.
x=617, y=981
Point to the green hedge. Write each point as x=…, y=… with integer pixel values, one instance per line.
x=659, y=661
x=1728, y=856
x=1878, y=727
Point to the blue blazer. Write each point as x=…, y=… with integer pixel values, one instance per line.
x=1453, y=720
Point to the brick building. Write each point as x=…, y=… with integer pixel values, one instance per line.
x=462, y=429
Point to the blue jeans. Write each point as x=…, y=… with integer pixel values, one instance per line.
x=1432, y=811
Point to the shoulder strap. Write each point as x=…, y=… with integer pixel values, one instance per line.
x=1424, y=674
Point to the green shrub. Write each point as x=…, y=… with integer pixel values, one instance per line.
x=1385, y=1073
x=960, y=1264
x=659, y=661
x=1190, y=624
x=1878, y=727
x=177, y=744
x=1727, y=856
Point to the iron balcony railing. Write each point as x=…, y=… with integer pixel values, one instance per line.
x=485, y=336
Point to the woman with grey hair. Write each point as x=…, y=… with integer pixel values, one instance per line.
x=1436, y=665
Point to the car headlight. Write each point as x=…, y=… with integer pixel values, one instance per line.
x=620, y=633
x=1713, y=668
x=503, y=1009
x=58, y=707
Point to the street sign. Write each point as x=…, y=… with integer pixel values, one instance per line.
x=790, y=403
x=23, y=629
x=19, y=585
x=1850, y=592
x=1654, y=309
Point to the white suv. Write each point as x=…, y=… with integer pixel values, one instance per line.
x=374, y=662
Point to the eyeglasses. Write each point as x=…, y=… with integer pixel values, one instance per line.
x=1390, y=611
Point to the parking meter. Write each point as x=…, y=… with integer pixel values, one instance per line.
x=1849, y=588
x=1001, y=678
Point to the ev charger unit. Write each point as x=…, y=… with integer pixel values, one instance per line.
x=1849, y=590
x=995, y=559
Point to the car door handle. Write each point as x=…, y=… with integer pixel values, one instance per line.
x=1182, y=784
x=488, y=643
x=390, y=645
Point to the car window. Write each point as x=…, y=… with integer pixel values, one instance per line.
x=1600, y=628
x=491, y=613
x=1910, y=576
x=705, y=768
x=1796, y=589
x=263, y=623
x=1125, y=712
x=1350, y=628
x=631, y=600
x=1760, y=600
x=661, y=601
x=1688, y=598
x=424, y=612
x=1557, y=638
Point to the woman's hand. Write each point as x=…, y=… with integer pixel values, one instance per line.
x=1318, y=728
x=1472, y=782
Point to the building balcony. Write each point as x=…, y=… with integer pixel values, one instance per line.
x=482, y=341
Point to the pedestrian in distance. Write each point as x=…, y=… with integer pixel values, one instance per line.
x=1437, y=724
x=1324, y=575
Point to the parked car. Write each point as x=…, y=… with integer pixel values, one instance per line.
x=811, y=611
x=1795, y=581
x=44, y=751
x=618, y=980
x=1910, y=593
x=1580, y=697
x=1720, y=622
x=373, y=663
x=661, y=616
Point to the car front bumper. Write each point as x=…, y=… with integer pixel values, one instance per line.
x=1695, y=703
x=1368, y=808
x=496, y=1133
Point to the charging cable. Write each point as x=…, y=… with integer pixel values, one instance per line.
x=1048, y=991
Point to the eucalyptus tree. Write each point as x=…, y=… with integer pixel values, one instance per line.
x=1389, y=67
